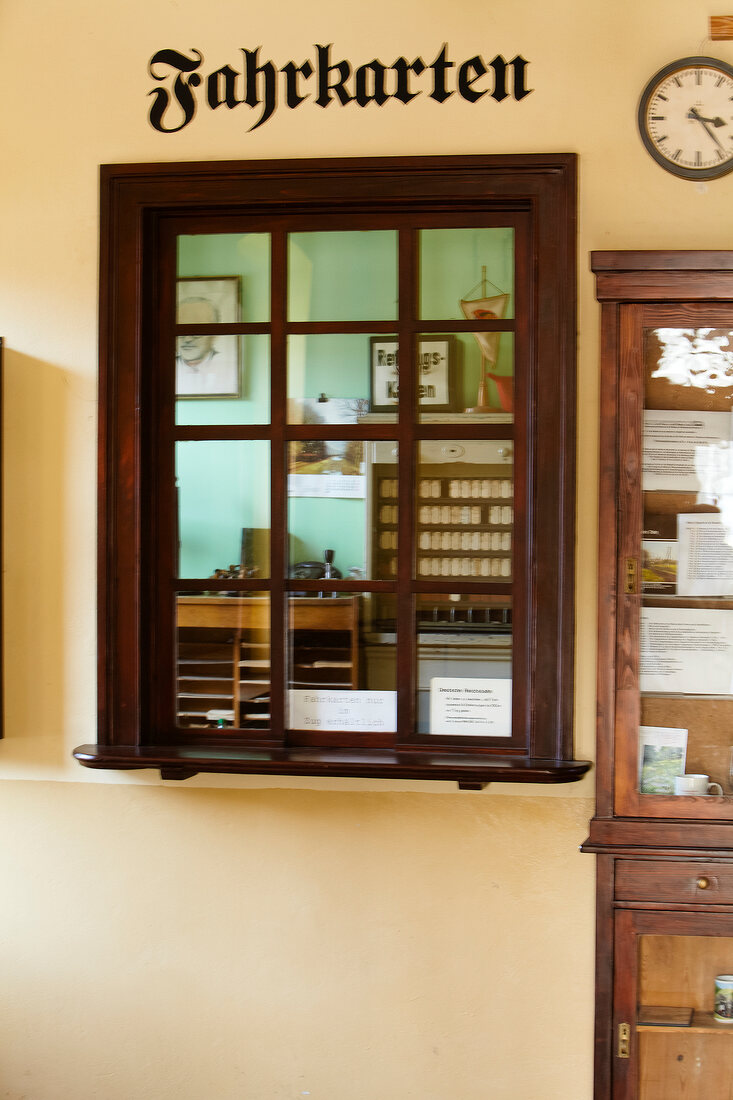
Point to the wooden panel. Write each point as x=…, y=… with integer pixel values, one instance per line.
x=680, y=970
x=657, y=880
x=678, y=1064
x=721, y=28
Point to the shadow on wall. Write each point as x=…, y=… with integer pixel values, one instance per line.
x=49, y=552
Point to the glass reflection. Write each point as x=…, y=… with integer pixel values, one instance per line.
x=230, y=271
x=702, y=358
x=342, y=276
x=328, y=378
x=341, y=509
x=467, y=273
x=223, y=661
x=342, y=663
x=223, y=507
x=465, y=509
x=464, y=646
x=471, y=372
x=235, y=391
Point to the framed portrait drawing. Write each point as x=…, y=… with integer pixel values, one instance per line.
x=208, y=364
x=436, y=382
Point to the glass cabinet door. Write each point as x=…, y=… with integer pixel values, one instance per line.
x=677, y=564
x=672, y=1038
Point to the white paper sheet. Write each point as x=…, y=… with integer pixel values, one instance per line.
x=354, y=711
x=705, y=556
x=479, y=707
x=687, y=451
x=687, y=650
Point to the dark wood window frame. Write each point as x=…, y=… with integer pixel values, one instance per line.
x=142, y=207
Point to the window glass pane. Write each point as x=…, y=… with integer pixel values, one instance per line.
x=465, y=509
x=343, y=276
x=464, y=665
x=329, y=378
x=232, y=386
x=223, y=507
x=231, y=271
x=686, y=554
x=330, y=494
x=467, y=273
x=223, y=660
x=341, y=662
x=466, y=375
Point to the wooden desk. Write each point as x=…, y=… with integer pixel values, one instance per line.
x=315, y=660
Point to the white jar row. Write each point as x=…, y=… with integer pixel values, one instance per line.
x=449, y=513
x=460, y=540
x=496, y=514
x=465, y=567
x=488, y=488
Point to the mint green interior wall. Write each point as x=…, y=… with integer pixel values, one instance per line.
x=224, y=486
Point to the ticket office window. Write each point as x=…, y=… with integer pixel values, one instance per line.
x=329, y=455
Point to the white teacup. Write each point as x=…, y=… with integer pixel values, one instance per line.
x=695, y=784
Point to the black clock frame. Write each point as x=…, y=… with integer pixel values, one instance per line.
x=679, y=170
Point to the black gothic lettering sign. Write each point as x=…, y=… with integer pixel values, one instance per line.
x=184, y=85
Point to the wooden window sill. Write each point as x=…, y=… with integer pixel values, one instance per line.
x=470, y=771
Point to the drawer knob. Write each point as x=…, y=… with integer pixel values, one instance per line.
x=703, y=883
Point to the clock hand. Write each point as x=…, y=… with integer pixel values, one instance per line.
x=693, y=113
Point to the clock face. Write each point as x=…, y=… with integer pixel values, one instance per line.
x=686, y=118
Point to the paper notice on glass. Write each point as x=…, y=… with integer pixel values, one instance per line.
x=662, y=751
x=688, y=650
x=353, y=711
x=659, y=554
x=326, y=485
x=687, y=451
x=479, y=707
x=705, y=556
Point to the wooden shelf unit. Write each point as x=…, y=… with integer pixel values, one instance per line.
x=224, y=654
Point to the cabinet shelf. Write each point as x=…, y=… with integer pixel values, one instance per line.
x=702, y=1023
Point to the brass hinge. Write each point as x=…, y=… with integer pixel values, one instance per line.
x=624, y=1040
x=630, y=586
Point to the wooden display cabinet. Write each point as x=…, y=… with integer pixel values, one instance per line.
x=665, y=674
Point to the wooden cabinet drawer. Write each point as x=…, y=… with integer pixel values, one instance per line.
x=661, y=881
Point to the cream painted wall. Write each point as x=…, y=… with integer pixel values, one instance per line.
x=249, y=938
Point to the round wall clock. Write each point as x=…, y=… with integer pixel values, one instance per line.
x=686, y=118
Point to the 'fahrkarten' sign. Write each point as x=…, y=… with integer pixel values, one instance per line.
x=261, y=86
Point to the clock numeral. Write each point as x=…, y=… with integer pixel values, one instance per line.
x=659, y=118
x=665, y=98
x=677, y=155
x=698, y=76
x=719, y=81
x=676, y=80
x=698, y=159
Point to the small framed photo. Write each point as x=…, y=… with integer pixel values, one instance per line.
x=208, y=364
x=436, y=378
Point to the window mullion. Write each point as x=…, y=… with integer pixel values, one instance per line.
x=406, y=637
x=278, y=481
